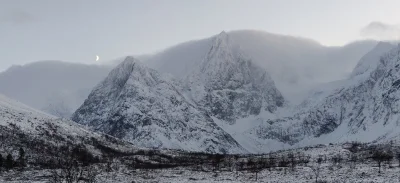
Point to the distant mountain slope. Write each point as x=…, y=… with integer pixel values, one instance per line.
x=149, y=109
x=55, y=87
x=370, y=61
x=363, y=108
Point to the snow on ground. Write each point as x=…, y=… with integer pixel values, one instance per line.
x=365, y=171
x=301, y=175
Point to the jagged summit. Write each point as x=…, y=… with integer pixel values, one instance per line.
x=220, y=63
x=220, y=44
x=129, y=67
x=130, y=59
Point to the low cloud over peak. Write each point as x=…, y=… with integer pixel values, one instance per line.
x=381, y=31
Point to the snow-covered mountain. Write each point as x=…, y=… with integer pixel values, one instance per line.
x=229, y=85
x=42, y=135
x=149, y=109
x=364, y=107
x=55, y=87
x=295, y=64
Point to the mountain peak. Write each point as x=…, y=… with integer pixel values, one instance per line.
x=227, y=78
x=128, y=62
x=129, y=65
x=221, y=47
x=129, y=59
x=222, y=36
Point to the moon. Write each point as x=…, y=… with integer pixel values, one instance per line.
x=97, y=58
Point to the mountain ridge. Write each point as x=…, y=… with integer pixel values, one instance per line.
x=292, y=64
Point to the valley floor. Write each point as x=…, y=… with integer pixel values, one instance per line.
x=362, y=173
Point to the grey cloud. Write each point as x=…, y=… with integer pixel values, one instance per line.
x=17, y=17
x=381, y=31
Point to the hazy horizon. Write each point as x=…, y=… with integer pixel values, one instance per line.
x=77, y=31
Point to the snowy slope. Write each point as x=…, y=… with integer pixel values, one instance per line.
x=58, y=88
x=370, y=61
x=367, y=64
x=363, y=108
x=41, y=134
x=144, y=107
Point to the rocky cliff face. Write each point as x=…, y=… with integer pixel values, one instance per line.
x=228, y=84
x=149, y=109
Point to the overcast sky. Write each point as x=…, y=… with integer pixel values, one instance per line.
x=77, y=30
